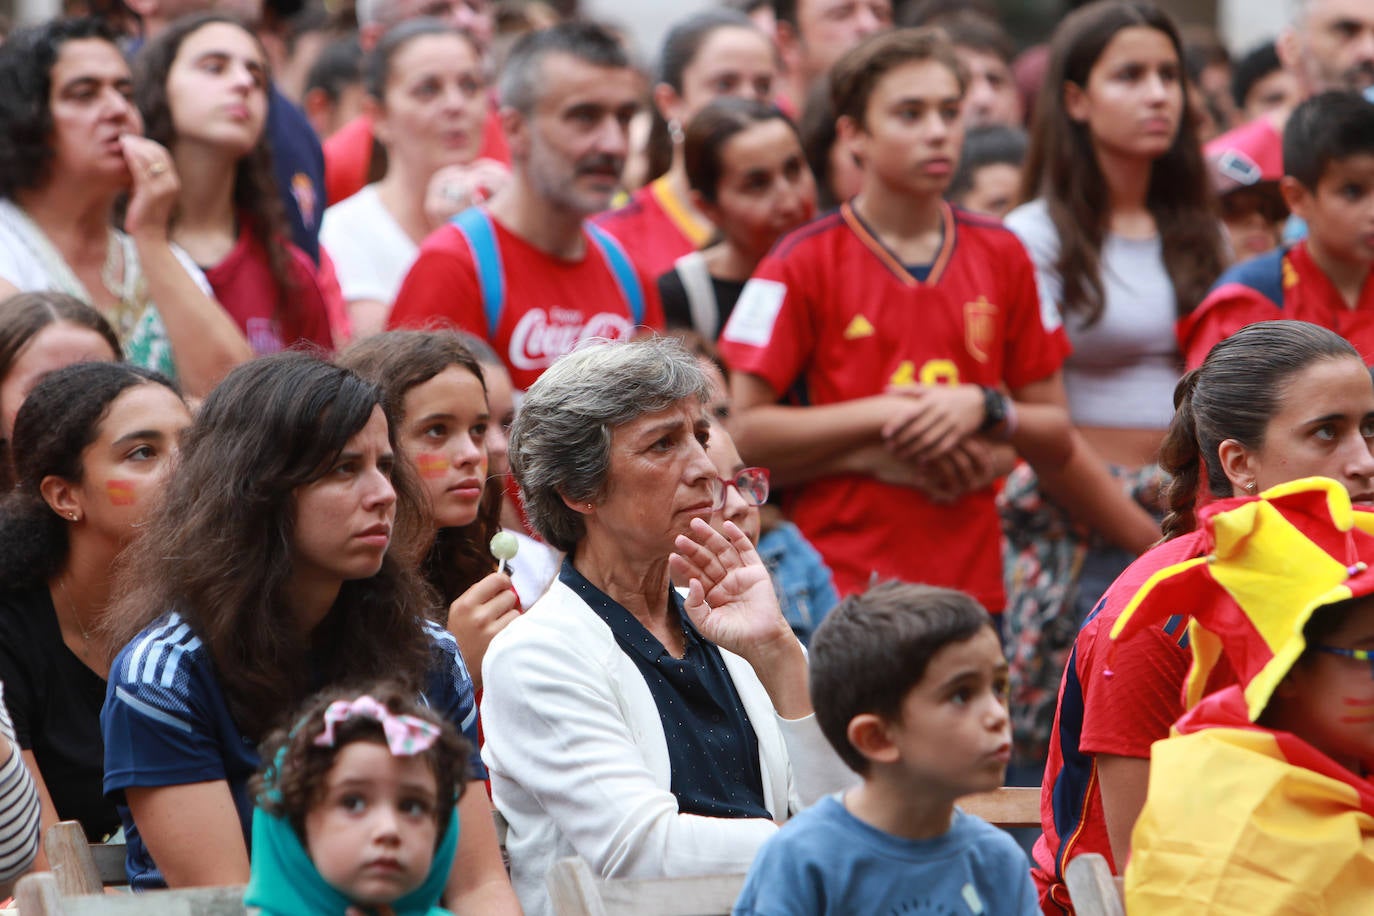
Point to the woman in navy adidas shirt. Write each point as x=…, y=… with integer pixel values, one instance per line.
x=280, y=563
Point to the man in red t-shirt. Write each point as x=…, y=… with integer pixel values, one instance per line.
x=526, y=272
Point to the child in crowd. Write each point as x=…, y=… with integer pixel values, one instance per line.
x=914, y=337
x=355, y=812
x=909, y=686
x=1260, y=801
x=1328, y=163
x=1252, y=206
x=988, y=180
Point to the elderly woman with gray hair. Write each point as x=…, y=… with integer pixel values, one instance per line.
x=651, y=732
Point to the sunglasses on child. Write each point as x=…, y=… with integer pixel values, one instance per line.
x=1360, y=655
x=752, y=484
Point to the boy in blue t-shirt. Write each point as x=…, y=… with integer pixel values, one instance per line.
x=909, y=685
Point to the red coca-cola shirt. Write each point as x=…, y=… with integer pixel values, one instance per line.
x=550, y=304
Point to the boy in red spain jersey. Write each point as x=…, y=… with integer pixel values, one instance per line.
x=1328, y=159
x=526, y=272
x=895, y=326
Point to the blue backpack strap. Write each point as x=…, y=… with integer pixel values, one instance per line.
x=476, y=227
x=624, y=272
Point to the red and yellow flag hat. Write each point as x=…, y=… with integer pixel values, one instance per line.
x=1275, y=559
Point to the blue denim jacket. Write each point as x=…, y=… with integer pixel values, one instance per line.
x=803, y=582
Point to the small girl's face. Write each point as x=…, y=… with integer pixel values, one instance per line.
x=444, y=433
x=1328, y=700
x=373, y=833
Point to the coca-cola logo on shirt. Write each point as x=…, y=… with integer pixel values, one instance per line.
x=540, y=336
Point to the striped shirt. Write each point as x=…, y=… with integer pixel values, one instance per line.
x=18, y=807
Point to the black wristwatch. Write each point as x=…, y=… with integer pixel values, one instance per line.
x=994, y=409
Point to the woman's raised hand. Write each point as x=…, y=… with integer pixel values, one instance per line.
x=454, y=188
x=153, y=194
x=730, y=595
x=477, y=615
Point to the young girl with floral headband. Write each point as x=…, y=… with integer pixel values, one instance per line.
x=355, y=810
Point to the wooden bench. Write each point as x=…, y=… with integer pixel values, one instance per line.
x=81, y=867
x=1093, y=889
x=38, y=895
x=575, y=891
x=1009, y=806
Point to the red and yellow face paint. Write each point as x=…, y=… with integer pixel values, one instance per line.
x=121, y=492
x=431, y=465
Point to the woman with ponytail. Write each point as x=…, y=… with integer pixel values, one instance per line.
x=1277, y=401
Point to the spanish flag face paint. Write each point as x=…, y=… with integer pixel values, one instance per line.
x=121, y=492
x=431, y=465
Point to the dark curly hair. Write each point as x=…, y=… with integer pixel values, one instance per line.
x=255, y=190
x=60, y=418
x=397, y=361
x=219, y=548
x=26, y=61
x=294, y=771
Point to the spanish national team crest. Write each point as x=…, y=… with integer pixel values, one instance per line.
x=980, y=328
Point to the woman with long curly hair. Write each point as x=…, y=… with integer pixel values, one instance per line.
x=1125, y=239
x=281, y=562
x=202, y=87
x=71, y=145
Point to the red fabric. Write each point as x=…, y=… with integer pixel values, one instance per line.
x=550, y=304
x=1258, y=141
x=1121, y=714
x=348, y=154
x=851, y=322
x=1308, y=295
x=649, y=235
x=243, y=284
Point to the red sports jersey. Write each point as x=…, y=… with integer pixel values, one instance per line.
x=1114, y=700
x=833, y=308
x=550, y=304
x=1280, y=284
x=348, y=154
x=243, y=285
x=655, y=228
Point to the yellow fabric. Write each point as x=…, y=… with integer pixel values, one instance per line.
x=1230, y=828
x=697, y=232
x=1278, y=576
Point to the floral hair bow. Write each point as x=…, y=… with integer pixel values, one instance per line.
x=406, y=736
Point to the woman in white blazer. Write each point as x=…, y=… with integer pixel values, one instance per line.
x=650, y=731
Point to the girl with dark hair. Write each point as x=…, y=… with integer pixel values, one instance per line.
x=748, y=175
x=280, y=562
x=355, y=807
x=202, y=87
x=40, y=332
x=71, y=144
x=427, y=97
x=436, y=397
x=706, y=56
x=93, y=445
x=1125, y=240
x=1277, y=401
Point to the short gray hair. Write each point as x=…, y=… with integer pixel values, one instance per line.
x=521, y=84
x=560, y=444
